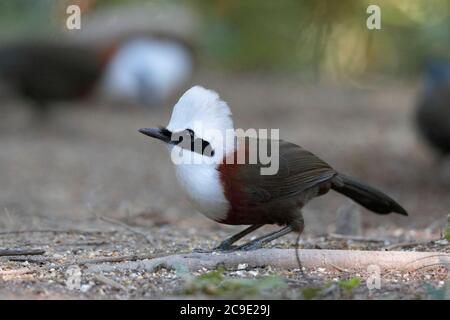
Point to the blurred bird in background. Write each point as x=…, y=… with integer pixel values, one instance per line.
x=148, y=69
x=433, y=112
x=144, y=70
x=45, y=72
x=433, y=115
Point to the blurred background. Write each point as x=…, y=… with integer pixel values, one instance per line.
x=69, y=155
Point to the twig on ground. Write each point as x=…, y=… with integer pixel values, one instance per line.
x=72, y=244
x=439, y=259
x=15, y=272
x=445, y=265
x=21, y=252
x=353, y=238
x=51, y=231
x=108, y=259
x=115, y=259
x=40, y=260
x=146, y=236
x=338, y=268
x=109, y=282
x=404, y=244
x=285, y=259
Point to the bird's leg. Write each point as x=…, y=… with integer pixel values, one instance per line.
x=259, y=242
x=227, y=243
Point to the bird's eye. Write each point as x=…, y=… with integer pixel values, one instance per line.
x=191, y=132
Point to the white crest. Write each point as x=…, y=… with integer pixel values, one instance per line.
x=202, y=111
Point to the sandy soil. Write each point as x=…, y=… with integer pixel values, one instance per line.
x=88, y=163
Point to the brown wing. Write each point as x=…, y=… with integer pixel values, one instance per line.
x=298, y=171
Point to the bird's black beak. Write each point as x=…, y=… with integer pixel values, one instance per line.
x=159, y=133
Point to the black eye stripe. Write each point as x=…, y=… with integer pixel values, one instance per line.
x=187, y=140
x=205, y=145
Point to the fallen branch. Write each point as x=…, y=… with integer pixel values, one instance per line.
x=21, y=252
x=285, y=259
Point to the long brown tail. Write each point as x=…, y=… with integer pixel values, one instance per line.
x=366, y=196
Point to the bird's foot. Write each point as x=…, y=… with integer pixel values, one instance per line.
x=225, y=248
x=216, y=249
x=201, y=250
x=250, y=246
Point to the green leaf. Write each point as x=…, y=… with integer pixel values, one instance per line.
x=447, y=229
x=214, y=283
x=350, y=284
x=310, y=292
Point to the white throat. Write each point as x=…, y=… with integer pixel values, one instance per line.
x=203, y=186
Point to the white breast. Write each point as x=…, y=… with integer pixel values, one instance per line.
x=203, y=186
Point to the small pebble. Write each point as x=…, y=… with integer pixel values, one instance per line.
x=242, y=266
x=85, y=288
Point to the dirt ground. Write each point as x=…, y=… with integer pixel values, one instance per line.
x=85, y=184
